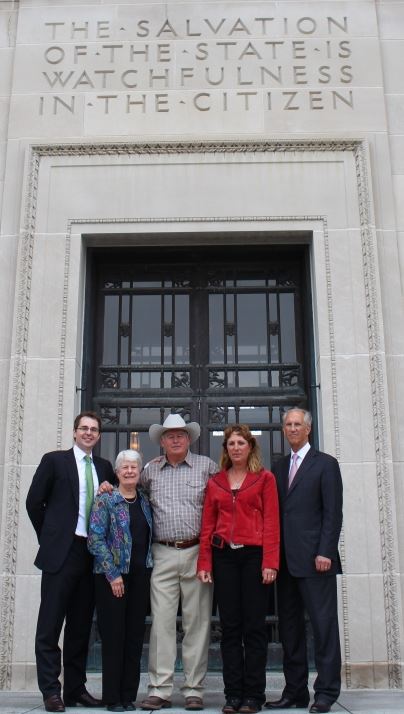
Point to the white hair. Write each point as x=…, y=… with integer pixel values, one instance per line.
x=128, y=455
x=307, y=418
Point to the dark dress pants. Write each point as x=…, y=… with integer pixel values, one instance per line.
x=318, y=596
x=121, y=622
x=243, y=602
x=66, y=595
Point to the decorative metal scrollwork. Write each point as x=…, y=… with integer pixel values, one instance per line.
x=181, y=283
x=216, y=379
x=109, y=415
x=217, y=415
x=181, y=380
x=184, y=413
x=290, y=377
x=109, y=379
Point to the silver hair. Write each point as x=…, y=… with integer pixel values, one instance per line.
x=307, y=418
x=128, y=455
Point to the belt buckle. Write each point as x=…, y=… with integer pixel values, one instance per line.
x=178, y=544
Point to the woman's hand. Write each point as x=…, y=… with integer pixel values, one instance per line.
x=205, y=576
x=117, y=586
x=105, y=487
x=269, y=575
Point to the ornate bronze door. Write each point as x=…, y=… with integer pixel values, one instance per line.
x=219, y=335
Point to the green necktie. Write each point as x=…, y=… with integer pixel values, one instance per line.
x=89, y=488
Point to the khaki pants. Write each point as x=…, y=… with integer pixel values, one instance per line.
x=174, y=578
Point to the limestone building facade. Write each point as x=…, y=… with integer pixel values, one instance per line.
x=143, y=142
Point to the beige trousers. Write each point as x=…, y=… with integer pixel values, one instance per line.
x=174, y=579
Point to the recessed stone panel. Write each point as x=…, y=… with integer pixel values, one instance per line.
x=362, y=537
x=40, y=433
x=187, y=186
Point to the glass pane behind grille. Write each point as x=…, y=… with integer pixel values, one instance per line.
x=146, y=329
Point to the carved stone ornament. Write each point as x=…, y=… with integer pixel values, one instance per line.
x=358, y=150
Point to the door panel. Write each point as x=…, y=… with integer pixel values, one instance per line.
x=216, y=335
x=214, y=345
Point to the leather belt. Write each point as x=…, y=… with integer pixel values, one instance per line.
x=179, y=544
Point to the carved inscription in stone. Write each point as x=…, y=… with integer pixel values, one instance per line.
x=137, y=62
x=246, y=57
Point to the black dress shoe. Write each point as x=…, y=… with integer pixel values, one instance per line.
x=85, y=699
x=249, y=706
x=129, y=706
x=320, y=707
x=286, y=702
x=231, y=705
x=115, y=708
x=54, y=704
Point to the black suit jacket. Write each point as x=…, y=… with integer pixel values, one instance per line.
x=53, y=505
x=311, y=513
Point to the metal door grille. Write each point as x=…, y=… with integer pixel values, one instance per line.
x=215, y=335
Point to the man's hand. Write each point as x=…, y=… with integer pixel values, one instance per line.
x=269, y=575
x=205, y=576
x=322, y=564
x=117, y=586
x=105, y=487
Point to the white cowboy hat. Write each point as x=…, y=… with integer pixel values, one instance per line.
x=174, y=421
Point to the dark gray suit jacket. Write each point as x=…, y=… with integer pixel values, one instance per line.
x=311, y=513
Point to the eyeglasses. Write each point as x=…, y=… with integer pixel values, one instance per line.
x=91, y=429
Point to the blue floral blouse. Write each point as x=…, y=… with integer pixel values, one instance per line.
x=109, y=537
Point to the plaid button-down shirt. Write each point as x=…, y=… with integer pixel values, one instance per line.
x=176, y=495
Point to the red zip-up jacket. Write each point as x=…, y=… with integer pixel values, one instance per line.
x=251, y=517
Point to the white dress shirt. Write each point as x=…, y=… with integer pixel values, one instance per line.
x=81, y=528
x=300, y=455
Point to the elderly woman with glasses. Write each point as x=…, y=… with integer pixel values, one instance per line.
x=119, y=537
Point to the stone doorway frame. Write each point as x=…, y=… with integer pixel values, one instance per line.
x=13, y=508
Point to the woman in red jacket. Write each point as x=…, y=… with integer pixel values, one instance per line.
x=239, y=550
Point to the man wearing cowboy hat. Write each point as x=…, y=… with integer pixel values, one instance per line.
x=176, y=486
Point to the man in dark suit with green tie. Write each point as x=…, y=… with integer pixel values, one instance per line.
x=310, y=497
x=58, y=505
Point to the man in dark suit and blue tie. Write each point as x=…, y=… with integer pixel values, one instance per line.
x=310, y=495
x=58, y=505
